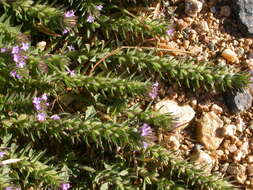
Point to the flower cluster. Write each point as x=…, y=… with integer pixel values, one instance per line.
x=12, y=188
x=18, y=57
x=69, y=20
x=90, y=18
x=65, y=186
x=154, y=92
x=41, y=104
x=2, y=154
x=147, y=133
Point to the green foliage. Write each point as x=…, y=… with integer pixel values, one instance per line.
x=75, y=115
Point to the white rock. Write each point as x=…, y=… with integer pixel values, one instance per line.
x=238, y=155
x=182, y=114
x=202, y=159
x=208, y=127
x=228, y=130
x=217, y=109
x=173, y=142
x=41, y=45
x=229, y=55
x=193, y=7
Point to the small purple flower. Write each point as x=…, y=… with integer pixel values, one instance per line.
x=2, y=50
x=25, y=46
x=44, y=97
x=2, y=154
x=14, y=74
x=169, y=31
x=36, y=100
x=16, y=57
x=41, y=116
x=71, y=48
x=68, y=14
x=90, y=19
x=154, y=92
x=65, y=31
x=55, y=117
x=71, y=72
x=8, y=188
x=15, y=50
x=18, y=188
x=99, y=7
x=65, y=186
x=21, y=64
x=145, y=130
x=144, y=144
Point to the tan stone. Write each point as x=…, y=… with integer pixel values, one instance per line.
x=250, y=170
x=182, y=114
x=202, y=160
x=208, y=127
x=217, y=109
x=229, y=55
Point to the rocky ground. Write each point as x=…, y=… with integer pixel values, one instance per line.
x=213, y=129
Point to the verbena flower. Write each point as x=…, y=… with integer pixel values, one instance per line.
x=2, y=154
x=90, y=19
x=145, y=130
x=169, y=31
x=154, y=91
x=99, y=7
x=68, y=14
x=55, y=117
x=14, y=74
x=15, y=50
x=8, y=188
x=65, y=186
x=2, y=50
x=71, y=48
x=21, y=64
x=41, y=116
x=65, y=31
x=71, y=72
x=25, y=46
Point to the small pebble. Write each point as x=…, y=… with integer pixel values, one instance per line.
x=217, y=109
x=193, y=7
x=229, y=55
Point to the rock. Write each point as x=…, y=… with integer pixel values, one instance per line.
x=182, y=114
x=235, y=169
x=238, y=155
x=217, y=109
x=41, y=45
x=229, y=55
x=228, y=130
x=193, y=7
x=250, y=159
x=244, y=12
x=202, y=160
x=225, y=11
x=238, y=171
x=238, y=101
x=250, y=170
x=203, y=26
x=232, y=148
x=173, y=142
x=208, y=127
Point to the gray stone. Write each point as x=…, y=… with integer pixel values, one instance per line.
x=244, y=12
x=238, y=101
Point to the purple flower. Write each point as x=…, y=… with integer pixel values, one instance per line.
x=2, y=154
x=21, y=64
x=16, y=57
x=144, y=144
x=90, y=19
x=99, y=7
x=44, y=97
x=55, y=117
x=41, y=116
x=71, y=48
x=71, y=72
x=169, y=31
x=36, y=100
x=8, y=188
x=69, y=14
x=145, y=130
x=154, y=92
x=65, y=186
x=14, y=74
x=25, y=46
x=65, y=31
x=2, y=50
x=15, y=50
